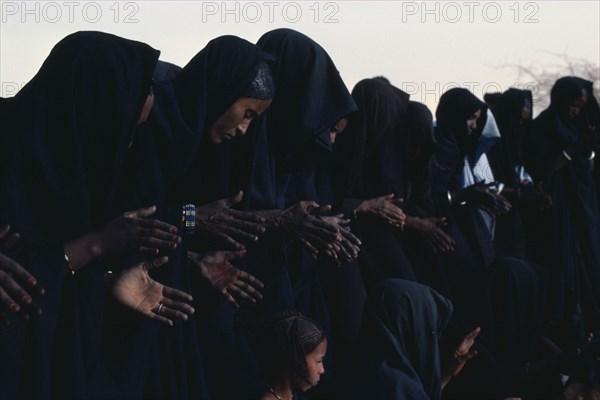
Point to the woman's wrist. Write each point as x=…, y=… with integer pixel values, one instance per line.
x=82, y=251
x=413, y=223
x=362, y=208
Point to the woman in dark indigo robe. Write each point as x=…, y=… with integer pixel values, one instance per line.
x=505, y=296
x=513, y=113
x=72, y=125
x=564, y=162
x=375, y=178
x=261, y=164
x=216, y=94
x=398, y=355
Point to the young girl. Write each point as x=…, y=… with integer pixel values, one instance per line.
x=293, y=352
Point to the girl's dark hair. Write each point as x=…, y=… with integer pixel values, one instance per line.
x=286, y=340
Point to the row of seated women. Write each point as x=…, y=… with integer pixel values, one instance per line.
x=245, y=227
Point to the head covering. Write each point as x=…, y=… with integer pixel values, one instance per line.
x=455, y=107
x=165, y=70
x=400, y=352
x=187, y=106
x=453, y=143
x=514, y=133
x=420, y=132
x=72, y=124
x=569, y=88
x=311, y=96
x=374, y=146
x=263, y=85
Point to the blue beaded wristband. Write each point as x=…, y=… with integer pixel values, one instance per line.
x=189, y=219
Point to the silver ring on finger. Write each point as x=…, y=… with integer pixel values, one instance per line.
x=160, y=307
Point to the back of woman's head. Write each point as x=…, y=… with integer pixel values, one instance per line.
x=286, y=340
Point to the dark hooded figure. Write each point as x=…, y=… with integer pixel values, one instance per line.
x=564, y=161
x=372, y=166
x=513, y=114
x=70, y=126
x=309, y=101
x=399, y=356
x=505, y=296
x=167, y=362
x=461, y=170
x=307, y=82
x=309, y=111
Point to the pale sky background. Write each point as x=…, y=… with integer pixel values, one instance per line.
x=422, y=47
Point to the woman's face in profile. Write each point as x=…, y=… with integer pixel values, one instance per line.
x=314, y=364
x=237, y=118
x=472, y=122
x=576, y=106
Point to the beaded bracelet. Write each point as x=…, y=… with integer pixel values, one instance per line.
x=188, y=219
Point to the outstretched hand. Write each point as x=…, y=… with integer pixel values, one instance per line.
x=481, y=195
x=233, y=227
x=134, y=232
x=461, y=356
x=13, y=279
x=225, y=278
x=319, y=236
x=385, y=209
x=347, y=250
x=431, y=230
x=134, y=288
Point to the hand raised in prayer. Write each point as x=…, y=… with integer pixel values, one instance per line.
x=135, y=289
x=462, y=354
x=134, y=232
x=233, y=227
x=536, y=197
x=431, y=230
x=386, y=209
x=480, y=195
x=13, y=279
x=225, y=278
x=348, y=248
